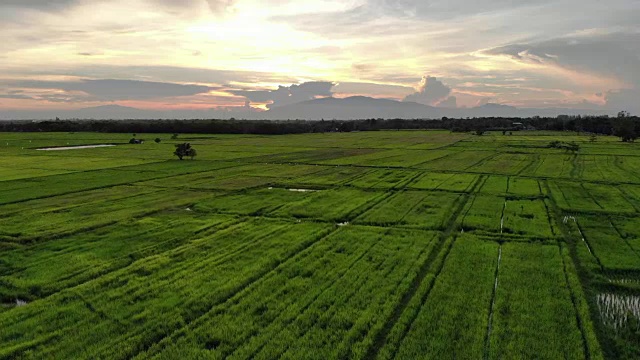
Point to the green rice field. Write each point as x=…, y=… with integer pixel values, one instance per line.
x=364, y=245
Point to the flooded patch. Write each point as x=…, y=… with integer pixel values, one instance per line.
x=616, y=310
x=58, y=148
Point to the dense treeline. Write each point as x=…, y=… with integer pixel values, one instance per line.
x=624, y=125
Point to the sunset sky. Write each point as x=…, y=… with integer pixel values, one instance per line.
x=236, y=54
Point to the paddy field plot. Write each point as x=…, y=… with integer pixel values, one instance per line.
x=369, y=245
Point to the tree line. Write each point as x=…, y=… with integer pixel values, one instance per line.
x=625, y=126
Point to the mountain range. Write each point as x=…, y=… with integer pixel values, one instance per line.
x=355, y=107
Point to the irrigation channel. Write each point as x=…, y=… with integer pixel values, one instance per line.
x=58, y=148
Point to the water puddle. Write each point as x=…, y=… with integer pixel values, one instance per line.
x=302, y=190
x=58, y=148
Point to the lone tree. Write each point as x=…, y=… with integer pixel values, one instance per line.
x=183, y=150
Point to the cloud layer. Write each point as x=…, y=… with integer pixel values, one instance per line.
x=113, y=90
x=287, y=95
x=219, y=53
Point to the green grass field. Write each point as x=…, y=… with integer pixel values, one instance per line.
x=370, y=245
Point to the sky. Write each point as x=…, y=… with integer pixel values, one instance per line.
x=254, y=55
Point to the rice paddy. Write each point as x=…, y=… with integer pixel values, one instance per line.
x=370, y=245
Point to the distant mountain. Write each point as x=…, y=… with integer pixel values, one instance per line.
x=355, y=107
x=362, y=107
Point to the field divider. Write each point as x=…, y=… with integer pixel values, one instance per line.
x=624, y=238
x=559, y=215
x=391, y=194
x=411, y=209
x=579, y=321
x=475, y=188
x=320, y=293
x=492, y=305
x=351, y=291
x=440, y=171
x=535, y=161
x=628, y=197
x=359, y=211
x=245, y=286
x=51, y=237
x=434, y=159
x=483, y=160
x=586, y=242
x=43, y=210
x=575, y=168
x=403, y=185
x=550, y=218
x=107, y=270
x=591, y=196
x=579, y=283
x=111, y=185
x=436, y=259
x=619, y=166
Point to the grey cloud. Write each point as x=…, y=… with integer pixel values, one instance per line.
x=286, y=95
x=217, y=6
x=624, y=100
x=450, y=102
x=177, y=6
x=214, y=5
x=430, y=92
x=449, y=9
x=37, y=4
x=15, y=96
x=462, y=26
x=360, y=19
x=158, y=74
x=64, y=98
x=483, y=101
x=616, y=54
x=112, y=90
x=371, y=88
